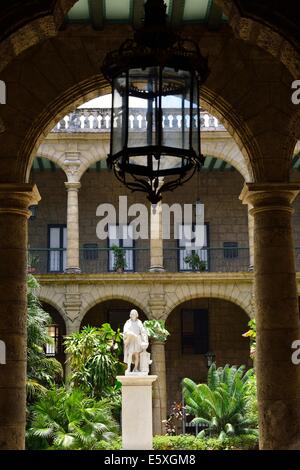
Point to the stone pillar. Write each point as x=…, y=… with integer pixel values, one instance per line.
x=158, y=368
x=73, y=228
x=14, y=202
x=277, y=315
x=137, y=433
x=156, y=239
x=72, y=306
x=251, y=237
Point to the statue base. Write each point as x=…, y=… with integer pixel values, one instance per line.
x=137, y=433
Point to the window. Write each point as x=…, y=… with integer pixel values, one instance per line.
x=121, y=235
x=231, y=250
x=52, y=349
x=57, y=245
x=194, y=332
x=187, y=248
x=90, y=251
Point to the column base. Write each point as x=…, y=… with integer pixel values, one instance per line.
x=157, y=269
x=72, y=271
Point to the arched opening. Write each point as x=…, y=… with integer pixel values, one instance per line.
x=57, y=331
x=198, y=327
x=48, y=226
x=114, y=311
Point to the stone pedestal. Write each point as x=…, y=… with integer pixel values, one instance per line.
x=137, y=433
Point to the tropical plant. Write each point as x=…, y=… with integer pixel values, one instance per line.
x=119, y=258
x=66, y=419
x=175, y=418
x=42, y=371
x=251, y=333
x=251, y=394
x=94, y=359
x=220, y=406
x=156, y=329
x=195, y=262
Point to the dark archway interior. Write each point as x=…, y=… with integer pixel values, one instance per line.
x=115, y=312
x=57, y=330
x=200, y=326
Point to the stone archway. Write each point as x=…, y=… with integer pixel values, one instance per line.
x=57, y=330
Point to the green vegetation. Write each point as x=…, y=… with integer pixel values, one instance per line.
x=221, y=405
x=251, y=333
x=42, y=371
x=119, y=258
x=195, y=262
x=156, y=330
x=84, y=414
x=94, y=359
x=189, y=442
x=67, y=419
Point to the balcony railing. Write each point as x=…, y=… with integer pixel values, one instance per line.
x=229, y=260
x=100, y=260
x=99, y=120
x=97, y=260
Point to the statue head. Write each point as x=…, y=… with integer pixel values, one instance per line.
x=134, y=315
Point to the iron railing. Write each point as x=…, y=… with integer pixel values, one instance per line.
x=230, y=260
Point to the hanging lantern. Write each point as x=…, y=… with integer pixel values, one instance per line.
x=159, y=71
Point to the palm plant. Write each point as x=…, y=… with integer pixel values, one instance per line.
x=68, y=420
x=94, y=359
x=220, y=406
x=42, y=371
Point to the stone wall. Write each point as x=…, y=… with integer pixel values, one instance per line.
x=219, y=191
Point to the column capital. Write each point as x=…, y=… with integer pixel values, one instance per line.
x=270, y=196
x=16, y=198
x=73, y=185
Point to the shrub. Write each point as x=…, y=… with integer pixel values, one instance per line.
x=220, y=406
x=187, y=442
x=68, y=420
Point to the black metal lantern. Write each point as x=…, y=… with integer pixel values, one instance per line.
x=160, y=71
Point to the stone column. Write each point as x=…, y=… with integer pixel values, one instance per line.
x=156, y=239
x=158, y=368
x=72, y=306
x=251, y=237
x=277, y=315
x=73, y=228
x=14, y=202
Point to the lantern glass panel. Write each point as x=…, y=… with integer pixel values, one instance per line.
x=176, y=106
x=119, y=103
x=143, y=107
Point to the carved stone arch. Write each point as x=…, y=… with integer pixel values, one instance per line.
x=54, y=301
x=89, y=302
x=228, y=152
x=244, y=303
x=267, y=38
x=49, y=152
x=62, y=105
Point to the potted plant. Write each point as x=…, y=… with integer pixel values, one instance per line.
x=32, y=263
x=156, y=330
x=119, y=259
x=195, y=262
